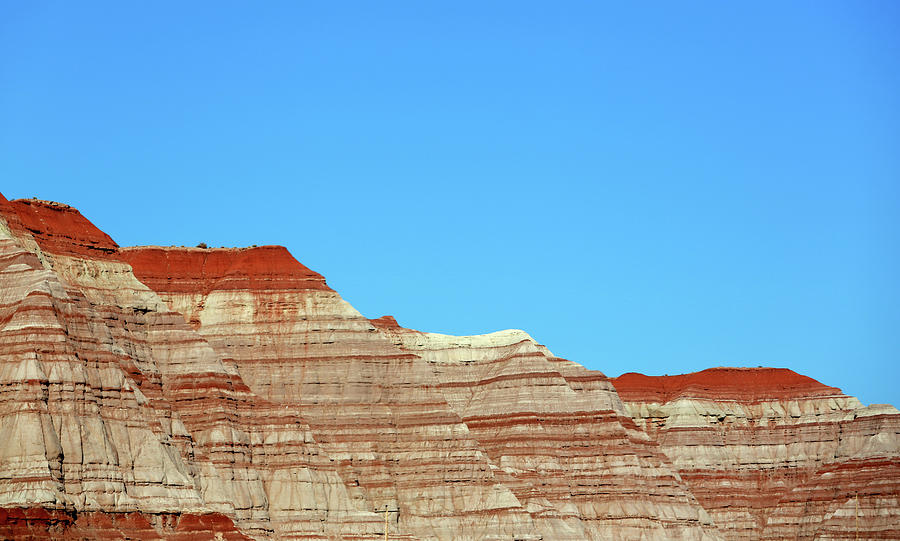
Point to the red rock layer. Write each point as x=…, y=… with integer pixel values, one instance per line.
x=196, y=270
x=385, y=322
x=39, y=524
x=744, y=384
x=772, y=454
x=58, y=228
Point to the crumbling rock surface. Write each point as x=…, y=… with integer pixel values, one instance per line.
x=194, y=393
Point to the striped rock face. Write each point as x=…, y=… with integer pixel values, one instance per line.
x=187, y=393
x=560, y=438
x=116, y=416
x=775, y=455
x=534, y=456
x=374, y=408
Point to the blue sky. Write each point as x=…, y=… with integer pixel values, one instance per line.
x=659, y=190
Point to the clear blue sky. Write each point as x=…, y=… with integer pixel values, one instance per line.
x=659, y=190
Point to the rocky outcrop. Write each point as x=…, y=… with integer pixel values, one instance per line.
x=193, y=393
x=41, y=524
x=375, y=408
x=775, y=455
x=560, y=438
x=113, y=404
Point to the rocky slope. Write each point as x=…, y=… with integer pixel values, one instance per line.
x=113, y=405
x=187, y=393
x=560, y=437
x=373, y=408
x=775, y=455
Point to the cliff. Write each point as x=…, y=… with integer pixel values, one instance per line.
x=772, y=454
x=188, y=393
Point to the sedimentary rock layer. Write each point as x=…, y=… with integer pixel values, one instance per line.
x=373, y=407
x=41, y=524
x=560, y=437
x=188, y=393
x=774, y=455
x=112, y=403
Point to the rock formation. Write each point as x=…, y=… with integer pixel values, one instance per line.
x=771, y=454
x=194, y=393
x=115, y=411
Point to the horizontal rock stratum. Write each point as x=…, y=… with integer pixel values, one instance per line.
x=193, y=393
